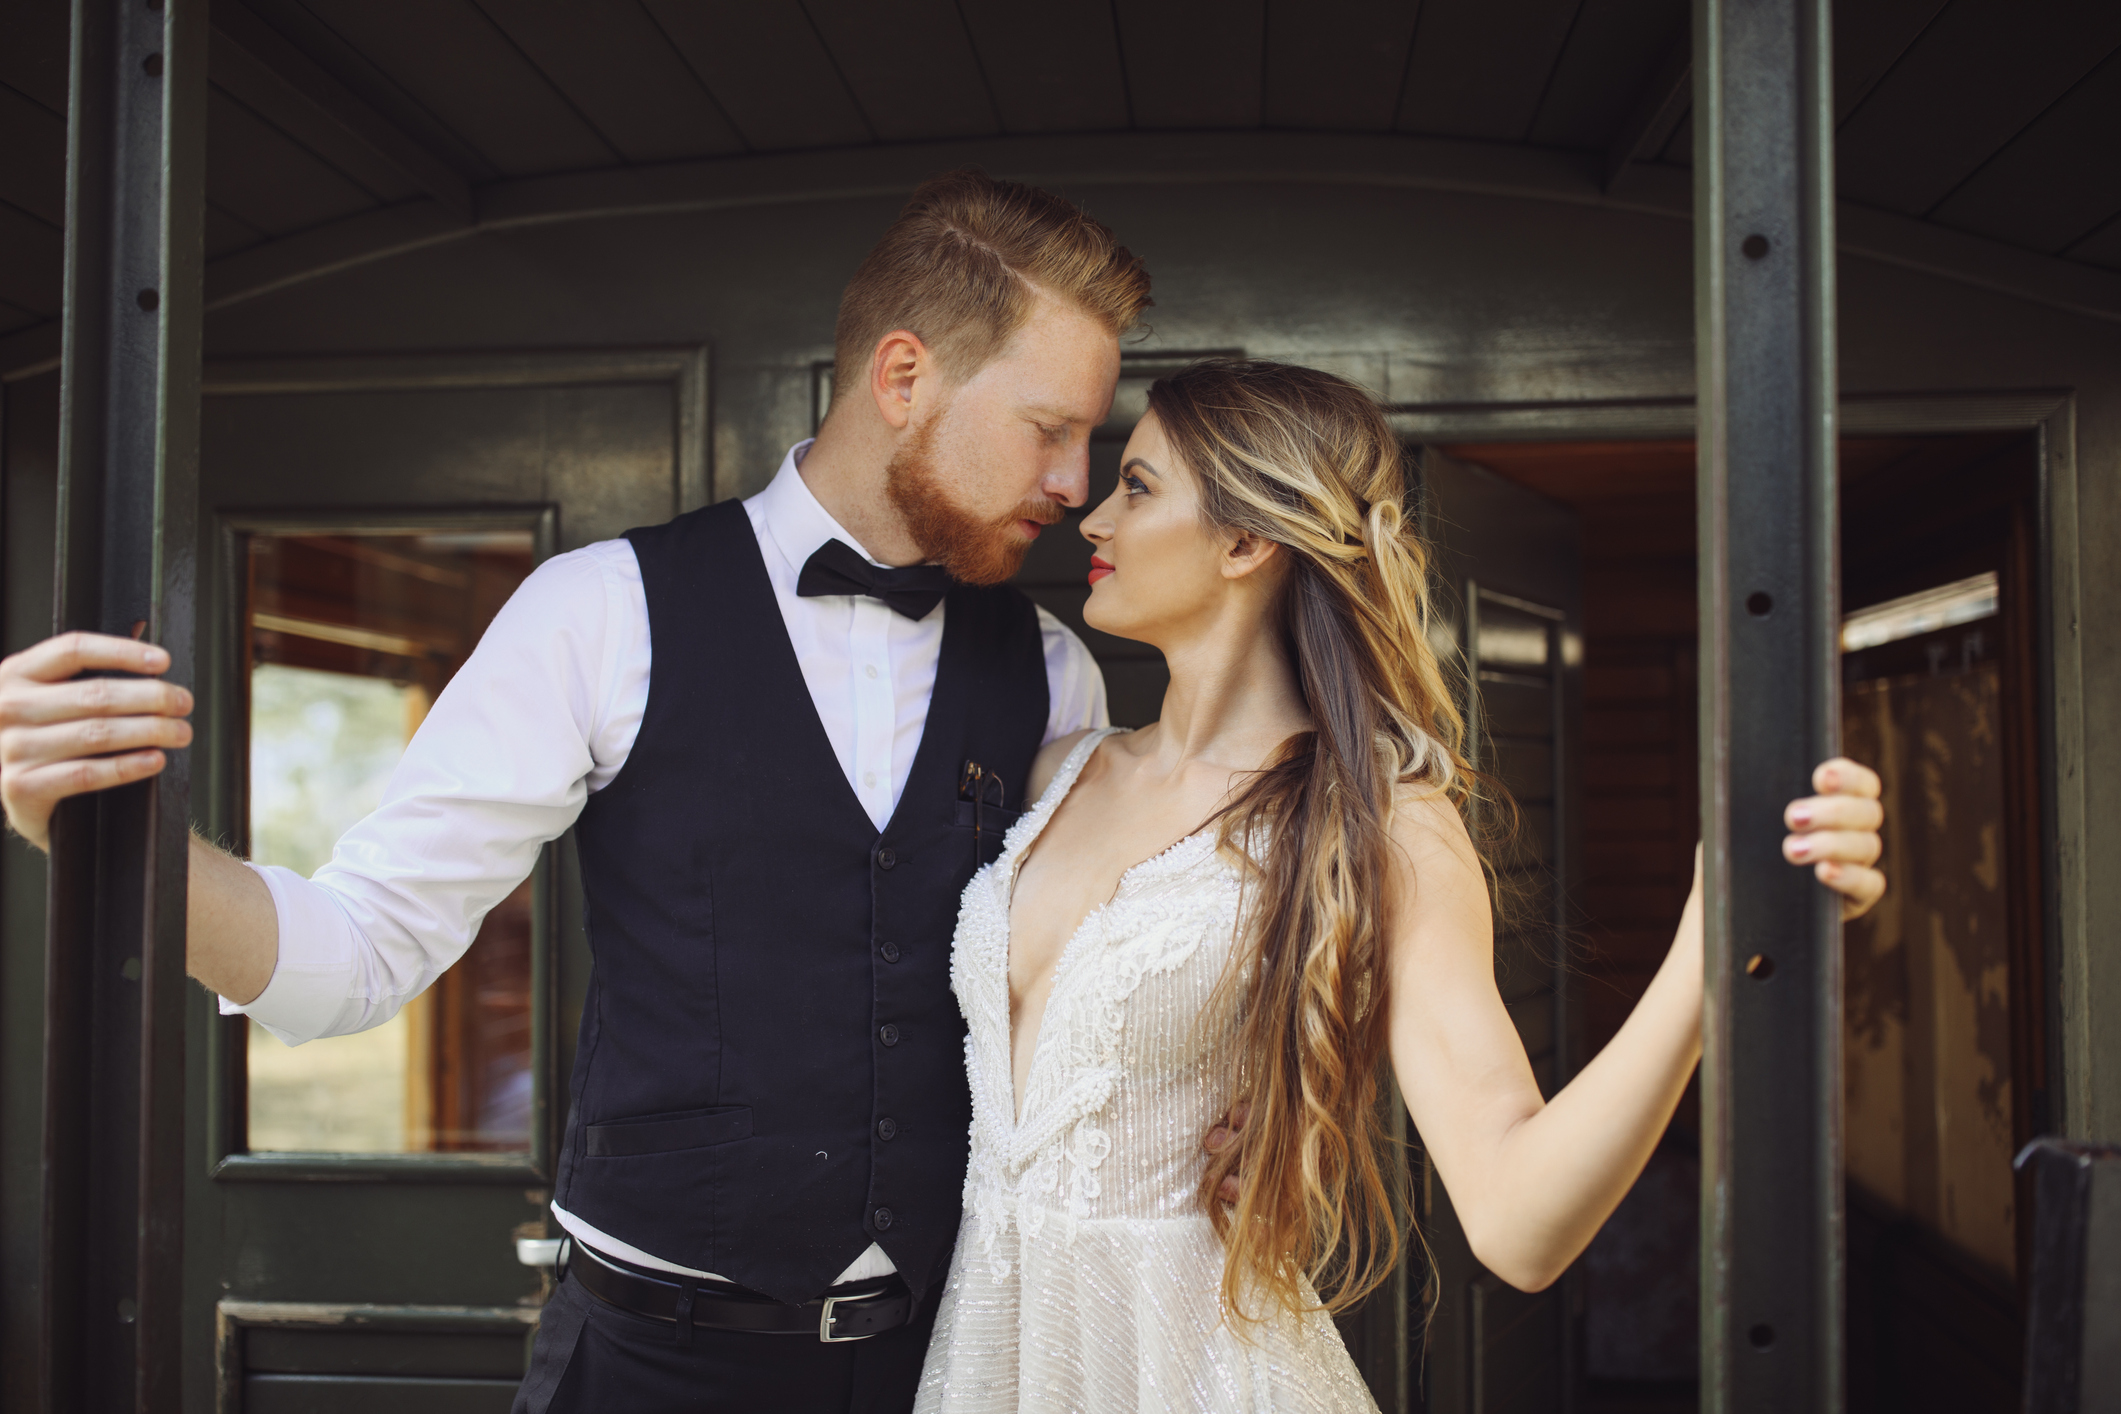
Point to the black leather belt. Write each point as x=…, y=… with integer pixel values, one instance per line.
x=866, y=1308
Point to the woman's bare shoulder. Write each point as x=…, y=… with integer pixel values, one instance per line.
x=1046, y=765
x=1431, y=834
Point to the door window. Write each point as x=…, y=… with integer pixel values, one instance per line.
x=348, y=635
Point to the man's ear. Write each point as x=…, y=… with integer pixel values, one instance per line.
x=896, y=369
x=1247, y=554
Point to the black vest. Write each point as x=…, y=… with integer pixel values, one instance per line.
x=771, y=1069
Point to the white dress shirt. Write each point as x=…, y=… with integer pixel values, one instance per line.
x=544, y=712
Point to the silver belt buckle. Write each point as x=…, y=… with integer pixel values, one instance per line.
x=825, y=1317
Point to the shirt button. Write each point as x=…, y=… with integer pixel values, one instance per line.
x=888, y=1034
x=868, y=778
x=890, y=952
x=887, y=1128
x=886, y=859
x=882, y=1219
x=869, y=671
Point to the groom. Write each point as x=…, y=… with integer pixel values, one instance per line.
x=786, y=732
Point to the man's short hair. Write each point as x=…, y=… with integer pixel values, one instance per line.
x=960, y=265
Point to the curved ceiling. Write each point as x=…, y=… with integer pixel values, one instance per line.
x=1974, y=135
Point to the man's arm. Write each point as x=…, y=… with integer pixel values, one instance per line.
x=232, y=929
x=544, y=710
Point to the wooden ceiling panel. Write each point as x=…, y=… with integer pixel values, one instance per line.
x=32, y=257
x=1336, y=64
x=769, y=71
x=1052, y=67
x=34, y=42
x=1869, y=39
x=458, y=65
x=227, y=233
x=257, y=173
x=1183, y=73
x=2102, y=247
x=911, y=67
x=1480, y=67
x=32, y=157
x=613, y=63
x=2058, y=180
x=13, y=317
x=1680, y=149
x=1977, y=76
x=1614, y=50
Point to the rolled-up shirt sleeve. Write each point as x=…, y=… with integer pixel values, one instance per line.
x=543, y=711
x=1075, y=687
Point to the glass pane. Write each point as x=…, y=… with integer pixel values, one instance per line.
x=349, y=638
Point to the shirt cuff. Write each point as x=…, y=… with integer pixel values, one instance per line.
x=312, y=978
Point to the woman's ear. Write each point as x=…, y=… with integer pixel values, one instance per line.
x=1247, y=554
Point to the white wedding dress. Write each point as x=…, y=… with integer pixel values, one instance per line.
x=1087, y=1278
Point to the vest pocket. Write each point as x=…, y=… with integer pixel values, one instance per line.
x=667, y=1134
x=983, y=828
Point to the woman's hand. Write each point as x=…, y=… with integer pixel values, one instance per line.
x=1836, y=832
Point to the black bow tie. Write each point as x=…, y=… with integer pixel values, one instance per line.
x=837, y=568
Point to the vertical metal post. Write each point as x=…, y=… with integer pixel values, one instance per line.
x=113, y=1179
x=1771, y=1289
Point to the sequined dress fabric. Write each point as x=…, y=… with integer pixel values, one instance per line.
x=1087, y=1277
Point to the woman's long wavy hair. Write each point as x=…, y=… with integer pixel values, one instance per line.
x=1306, y=460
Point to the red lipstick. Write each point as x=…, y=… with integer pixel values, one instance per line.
x=1098, y=569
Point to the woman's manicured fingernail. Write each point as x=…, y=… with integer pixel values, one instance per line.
x=1801, y=850
x=1801, y=816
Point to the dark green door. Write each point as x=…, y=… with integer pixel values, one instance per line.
x=366, y=1212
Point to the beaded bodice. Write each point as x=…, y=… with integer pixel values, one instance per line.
x=1129, y=1065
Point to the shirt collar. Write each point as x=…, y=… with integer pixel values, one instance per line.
x=796, y=519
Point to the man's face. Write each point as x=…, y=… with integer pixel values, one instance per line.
x=996, y=461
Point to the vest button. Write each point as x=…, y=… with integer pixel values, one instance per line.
x=887, y=1128
x=890, y=952
x=882, y=1218
x=886, y=858
x=887, y=1033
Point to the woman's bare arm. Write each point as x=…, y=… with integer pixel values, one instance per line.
x=1533, y=1180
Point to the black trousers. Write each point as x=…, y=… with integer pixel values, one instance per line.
x=590, y=1357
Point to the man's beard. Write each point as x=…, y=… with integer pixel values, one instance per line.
x=974, y=551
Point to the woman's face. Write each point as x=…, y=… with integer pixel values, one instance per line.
x=1158, y=572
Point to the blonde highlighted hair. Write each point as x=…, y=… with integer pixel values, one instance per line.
x=1306, y=460
x=960, y=265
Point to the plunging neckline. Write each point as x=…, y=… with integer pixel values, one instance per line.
x=1073, y=771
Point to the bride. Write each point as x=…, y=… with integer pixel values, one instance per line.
x=1225, y=920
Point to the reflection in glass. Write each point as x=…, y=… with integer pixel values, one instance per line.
x=349, y=638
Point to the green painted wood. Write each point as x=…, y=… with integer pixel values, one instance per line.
x=457, y=1354
x=365, y=1394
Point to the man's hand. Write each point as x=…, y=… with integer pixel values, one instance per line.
x=1219, y=1139
x=1836, y=832
x=62, y=734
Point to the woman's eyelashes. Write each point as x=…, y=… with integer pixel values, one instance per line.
x=1133, y=483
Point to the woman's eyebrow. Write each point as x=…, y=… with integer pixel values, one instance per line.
x=1133, y=462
